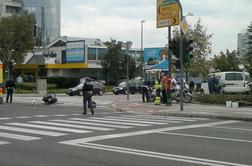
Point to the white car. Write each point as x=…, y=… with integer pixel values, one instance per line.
x=229, y=82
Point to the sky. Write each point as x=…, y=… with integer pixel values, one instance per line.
x=121, y=20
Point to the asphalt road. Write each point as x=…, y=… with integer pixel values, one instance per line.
x=55, y=135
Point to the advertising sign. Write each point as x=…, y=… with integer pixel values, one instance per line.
x=168, y=13
x=155, y=58
x=75, y=51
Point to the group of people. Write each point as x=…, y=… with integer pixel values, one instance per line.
x=214, y=84
x=163, y=86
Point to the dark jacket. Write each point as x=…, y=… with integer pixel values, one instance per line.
x=10, y=85
x=87, y=87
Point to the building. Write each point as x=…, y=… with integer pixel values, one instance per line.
x=242, y=45
x=47, y=14
x=10, y=7
x=68, y=57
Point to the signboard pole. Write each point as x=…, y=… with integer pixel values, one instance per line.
x=169, y=51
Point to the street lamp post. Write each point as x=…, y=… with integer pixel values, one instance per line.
x=127, y=45
x=142, y=51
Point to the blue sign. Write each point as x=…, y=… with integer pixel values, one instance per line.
x=155, y=58
x=75, y=51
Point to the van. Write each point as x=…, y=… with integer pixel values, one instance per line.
x=229, y=82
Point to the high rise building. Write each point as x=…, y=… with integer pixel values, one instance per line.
x=242, y=45
x=47, y=14
x=10, y=7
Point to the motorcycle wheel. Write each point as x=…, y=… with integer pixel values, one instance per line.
x=187, y=98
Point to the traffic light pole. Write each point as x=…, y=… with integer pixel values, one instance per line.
x=169, y=51
x=181, y=60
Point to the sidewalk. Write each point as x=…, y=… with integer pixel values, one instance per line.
x=190, y=110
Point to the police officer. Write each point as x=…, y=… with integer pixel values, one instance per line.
x=87, y=96
x=145, y=91
x=10, y=86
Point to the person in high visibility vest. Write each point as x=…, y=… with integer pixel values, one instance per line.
x=158, y=88
x=169, y=89
x=163, y=84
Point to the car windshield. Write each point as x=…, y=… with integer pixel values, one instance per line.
x=79, y=86
x=122, y=84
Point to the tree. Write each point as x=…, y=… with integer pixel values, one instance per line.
x=248, y=58
x=113, y=61
x=16, y=36
x=228, y=61
x=199, y=65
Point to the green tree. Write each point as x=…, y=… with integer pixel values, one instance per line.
x=113, y=61
x=16, y=36
x=228, y=61
x=199, y=64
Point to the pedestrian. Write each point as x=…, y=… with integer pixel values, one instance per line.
x=168, y=88
x=191, y=86
x=210, y=84
x=163, y=84
x=215, y=84
x=158, y=88
x=145, y=91
x=87, y=96
x=10, y=86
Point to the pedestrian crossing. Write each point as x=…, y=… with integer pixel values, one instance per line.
x=62, y=125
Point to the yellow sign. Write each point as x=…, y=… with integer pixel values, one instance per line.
x=184, y=26
x=168, y=13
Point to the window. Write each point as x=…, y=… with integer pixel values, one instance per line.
x=101, y=53
x=234, y=76
x=91, y=53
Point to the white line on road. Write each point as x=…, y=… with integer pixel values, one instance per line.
x=145, y=119
x=150, y=154
x=23, y=117
x=169, y=117
x=71, y=125
x=128, y=120
x=41, y=116
x=3, y=142
x=18, y=137
x=5, y=118
x=49, y=127
x=60, y=115
x=207, y=137
x=111, y=122
x=31, y=131
x=92, y=124
x=143, y=132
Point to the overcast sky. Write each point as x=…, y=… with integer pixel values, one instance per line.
x=121, y=20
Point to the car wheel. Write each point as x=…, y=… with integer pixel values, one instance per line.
x=100, y=93
x=71, y=94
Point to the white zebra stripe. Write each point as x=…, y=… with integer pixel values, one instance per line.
x=109, y=121
x=31, y=131
x=50, y=127
x=93, y=124
x=4, y=143
x=71, y=125
x=146, y=119
x=18, y=137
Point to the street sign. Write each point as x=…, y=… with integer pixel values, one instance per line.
x=168, y=13
x=184, y=26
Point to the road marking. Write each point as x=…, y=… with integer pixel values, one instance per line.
x=111, y=122
x=171, y=118
x=207, y=137
x=31, y=131
x=41, y=116
x=145, y=119
x=23, y=117
x=151, y=154
x=128, y=120
x=18, y=137
x=4, y=143
x=50, y=127
x=5, y=118
x=60, y=115
x=143, y=132
x=231, y=128
x=94, y=124
x=71, y=125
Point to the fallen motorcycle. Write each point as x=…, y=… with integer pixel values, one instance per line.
x=50, y=99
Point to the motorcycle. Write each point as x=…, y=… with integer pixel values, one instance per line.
x=50, y=99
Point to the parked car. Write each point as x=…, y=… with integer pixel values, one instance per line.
x=134, y=87
x=230, y=82
x=99, y=88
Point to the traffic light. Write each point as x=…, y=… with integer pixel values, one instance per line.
x=35, y=29
x=187, y=50
x=174, y=48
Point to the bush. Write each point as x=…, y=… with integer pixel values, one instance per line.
x=63, y=82
x=221, y=99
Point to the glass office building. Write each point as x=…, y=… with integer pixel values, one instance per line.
x=47, y=13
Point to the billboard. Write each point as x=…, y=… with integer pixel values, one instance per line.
x=75, y=51
x=155, y=58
